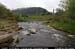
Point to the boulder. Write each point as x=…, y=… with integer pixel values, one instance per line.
x=16, y=38
x=32, y=30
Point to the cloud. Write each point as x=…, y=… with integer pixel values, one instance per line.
x=47, y=4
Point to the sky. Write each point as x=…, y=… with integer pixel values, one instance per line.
x=47, y=4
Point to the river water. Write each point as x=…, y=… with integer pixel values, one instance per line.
x=43, y=37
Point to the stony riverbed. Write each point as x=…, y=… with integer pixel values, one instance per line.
x=43, y=37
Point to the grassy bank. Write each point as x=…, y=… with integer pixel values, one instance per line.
x=7, y=26
x=33, y=18
x=68, y=26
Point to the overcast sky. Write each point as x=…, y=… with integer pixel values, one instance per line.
x=47, y=4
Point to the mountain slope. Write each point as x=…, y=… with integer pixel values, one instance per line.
x=31, y=11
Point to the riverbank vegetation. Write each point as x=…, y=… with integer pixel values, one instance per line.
x=8, y=24
x=7, y=20
x=66, y=21
x=64, y=18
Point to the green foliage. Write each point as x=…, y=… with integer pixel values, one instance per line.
x=64, y=4
x=32, y=18
x=6, y=13
x=6, y=17
x=65, y=21
x=69, y=6
x=71, y=9
x=59, y=12
x=68, y=26
x=20, y=17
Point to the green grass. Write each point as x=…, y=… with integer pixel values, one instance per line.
x=34, y=18
x=4, y=23
x=68, y=26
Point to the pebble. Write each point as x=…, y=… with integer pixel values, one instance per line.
x=70, y=35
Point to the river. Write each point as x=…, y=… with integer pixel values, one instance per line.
x=43, y=37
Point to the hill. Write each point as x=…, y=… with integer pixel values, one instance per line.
x=32, y=11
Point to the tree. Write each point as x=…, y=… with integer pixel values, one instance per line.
x=2, y=11
x=69, y=7
x=59, y=12
x=64, y=4
x=6, y=13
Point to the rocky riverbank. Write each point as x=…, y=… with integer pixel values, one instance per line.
x=6, y=34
